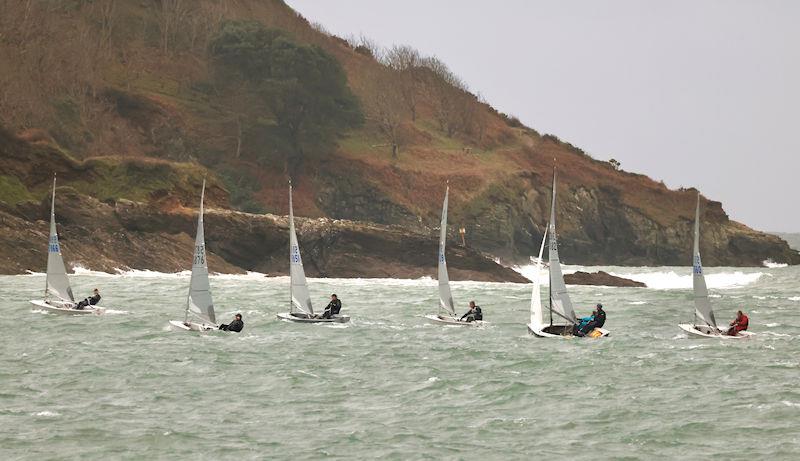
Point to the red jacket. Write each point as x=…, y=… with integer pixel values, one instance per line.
x=741, y=324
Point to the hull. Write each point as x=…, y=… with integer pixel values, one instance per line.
x=294, y=318
x=47, y=307
x=177, y=325
x=706, y=332
x=443, y=320
x=561, y=332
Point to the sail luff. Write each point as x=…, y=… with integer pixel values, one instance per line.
x=199, y=301
x=536, y=294
x=702, y=304
x=445, y=295
x=57, y=282
x=300, y=296
x=560, y=302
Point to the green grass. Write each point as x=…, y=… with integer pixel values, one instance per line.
x=12, y=191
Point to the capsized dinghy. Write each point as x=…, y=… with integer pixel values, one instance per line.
x=300, y=308
x=447, y=311
x=199, y=304
x=705, y=325
x=58, y=296
x=562, y=314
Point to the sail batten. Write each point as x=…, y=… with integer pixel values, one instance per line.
x=199, y=301
x=57, y=283
x=702, y=305
x=445, y=295
x=300, y=296
x=562, y=310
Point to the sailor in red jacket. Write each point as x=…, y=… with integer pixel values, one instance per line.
x=740, y=323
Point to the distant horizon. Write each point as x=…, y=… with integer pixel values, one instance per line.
x=695, y=94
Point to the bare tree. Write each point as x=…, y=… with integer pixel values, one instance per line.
x=171, y=14
x=408, y=63
x=383, y=104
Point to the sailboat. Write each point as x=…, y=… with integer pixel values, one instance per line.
x=199, y=305
x=705, y=325
x=300, y=307
x=447, y=310
x=562, y=317
x=58, y=295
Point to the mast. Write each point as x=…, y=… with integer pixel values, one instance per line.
x=552, y=236
x=291, y=223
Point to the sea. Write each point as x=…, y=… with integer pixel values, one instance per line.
x=389, y=385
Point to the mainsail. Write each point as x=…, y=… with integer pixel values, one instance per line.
x=199, y=300
x=445, y=296
x=57, y=285
x=702, y=305
x=301, y=299
x=561, y=310
x=536, y=294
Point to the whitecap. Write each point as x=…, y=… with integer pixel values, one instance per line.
x=47, y=414
x=773, y=265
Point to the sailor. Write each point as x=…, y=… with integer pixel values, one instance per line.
x=91, y=301
x=581, y=327
x=740, y=323
x=596, y=320
x=474, y=313
x=332, y=308
x=236, y=325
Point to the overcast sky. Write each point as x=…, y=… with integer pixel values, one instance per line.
x=695, y=93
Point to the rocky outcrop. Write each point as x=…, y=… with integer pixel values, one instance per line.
x=127, y=234
x=600, y=278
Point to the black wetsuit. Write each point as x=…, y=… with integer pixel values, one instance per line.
x=236, y=326
x=88, y=302
x=600, y=318
x=473, y=314
x=332, y=309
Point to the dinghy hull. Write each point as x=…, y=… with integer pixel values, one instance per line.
x=294, y=318
x=706, y=332
x=442, y=320
x=177, y=325
x=541, y=332
x=67, y=310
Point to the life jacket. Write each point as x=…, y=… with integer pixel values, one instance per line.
x=478, y=314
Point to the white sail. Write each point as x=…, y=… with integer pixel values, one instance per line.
x=199, y=301
x=536, y=294
x=702, y=305
x=445, y=296
x=561, y=309
x=301, y=299
x=57, y=285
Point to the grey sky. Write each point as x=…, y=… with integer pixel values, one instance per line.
x=695, y=93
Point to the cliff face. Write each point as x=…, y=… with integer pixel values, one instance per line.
x=125, y=103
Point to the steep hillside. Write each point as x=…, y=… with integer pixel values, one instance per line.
x=142, y=98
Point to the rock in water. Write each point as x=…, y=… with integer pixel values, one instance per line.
x=601, y=278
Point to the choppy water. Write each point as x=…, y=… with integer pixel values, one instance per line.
x=388, y=385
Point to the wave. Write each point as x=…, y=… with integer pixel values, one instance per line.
x=773, y=265
x=670, y=280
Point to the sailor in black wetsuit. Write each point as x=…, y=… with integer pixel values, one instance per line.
x=89, y=301
x=236, y=325
x=332, y=308
x=474, y=313
x=597, y=322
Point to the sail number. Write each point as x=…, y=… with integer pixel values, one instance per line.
x=199, y=254
x=698, y=267
x=295, y=256
x=54, y=247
